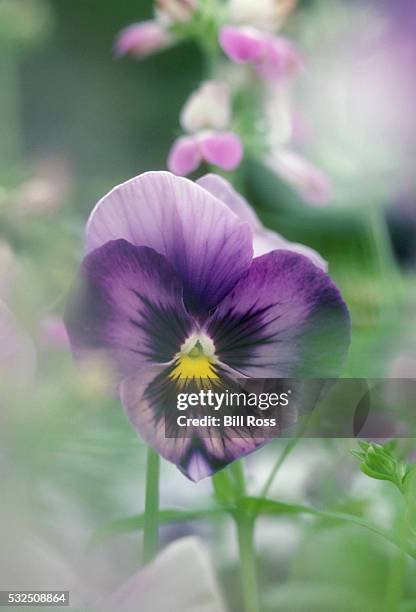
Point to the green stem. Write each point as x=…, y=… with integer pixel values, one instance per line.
x=381, y=241
x=151, y=510
x=245, y=533
x=281, y=459
x=237, y=471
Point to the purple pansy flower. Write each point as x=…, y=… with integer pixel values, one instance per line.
x=206, y=117
x=273, y=57
x=170, y=293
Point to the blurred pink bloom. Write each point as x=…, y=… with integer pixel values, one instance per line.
x=176, y=11
x=222, y=149
x=310, y=182
x=273, y=57
x=242, y=44
x=142, y=39
x=53, y=332
x=46, y=191
x=184, y=156
x=205, y=116
x=180, y=579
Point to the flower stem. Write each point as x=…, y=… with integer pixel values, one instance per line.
x=237, y=470
x=381, y=241
x=151, y=510
x=281, y=459
x=245, y=533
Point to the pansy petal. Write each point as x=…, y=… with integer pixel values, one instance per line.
x=267, y=240
x=223, y=149
x=224, y=191
x=184, y=156
x=128, y=306
x=241, y=44
x=264, y=240
x=206, y=243
x=285, y=318
x=150, y=402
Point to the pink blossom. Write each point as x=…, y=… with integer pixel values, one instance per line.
x=273, y=57
x=184, y=156
x=53, y=332
x=242, y=45
x=205, y=117
x=310, y=182
x=142, y=39
x=222, y=149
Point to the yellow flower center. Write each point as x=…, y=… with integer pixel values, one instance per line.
x=196, y=359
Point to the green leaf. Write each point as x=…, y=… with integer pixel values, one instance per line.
x=260, y=505
x=135, y=523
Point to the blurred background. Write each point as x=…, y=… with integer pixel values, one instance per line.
x=73, y=123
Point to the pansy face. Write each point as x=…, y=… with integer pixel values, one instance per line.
x=170, y=293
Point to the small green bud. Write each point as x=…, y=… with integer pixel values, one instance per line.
x=381, y=463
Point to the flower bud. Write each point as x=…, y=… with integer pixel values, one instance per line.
x=142, y=39
x=381, y=463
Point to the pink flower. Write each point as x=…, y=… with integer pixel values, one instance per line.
x=205, y=117
x=53, y=333
x=222, y=149
x=142, y=39
x=273, y=57
x=310, y=182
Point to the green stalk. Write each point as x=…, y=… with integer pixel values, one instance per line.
x=237, y=471
x=386, y=262
x=281, y=459
x=151, y=509
x=381, y=241
x=245, y=533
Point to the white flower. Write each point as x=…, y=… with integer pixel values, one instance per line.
x=180, y=579
x=207, y=108
x=267, y=15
